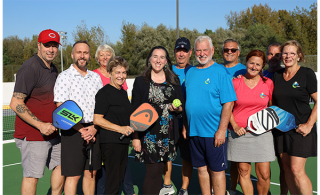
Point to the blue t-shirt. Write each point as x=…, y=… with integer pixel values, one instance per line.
x=181, y=74
x=268, y=74
x=206, y=91
x=238, y=69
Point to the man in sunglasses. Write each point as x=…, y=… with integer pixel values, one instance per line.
x=273, y=59
x=231, y=52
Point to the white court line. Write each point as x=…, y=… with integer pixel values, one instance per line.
x=276, y=184
x=12, y=164
x=172, y=164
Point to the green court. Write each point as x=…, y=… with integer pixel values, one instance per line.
x=12, y=174
x=12, y=170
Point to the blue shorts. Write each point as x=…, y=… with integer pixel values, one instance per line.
x=204, y=153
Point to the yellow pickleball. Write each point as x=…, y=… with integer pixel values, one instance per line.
x=176, y=103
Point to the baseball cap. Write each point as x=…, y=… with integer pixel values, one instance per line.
x=49, y=35
x=183, y=42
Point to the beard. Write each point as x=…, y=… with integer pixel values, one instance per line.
x=80, y=65
x=209, y=58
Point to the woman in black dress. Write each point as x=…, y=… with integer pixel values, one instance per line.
x=158, y=86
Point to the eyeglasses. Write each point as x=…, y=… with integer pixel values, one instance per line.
x=233, y=50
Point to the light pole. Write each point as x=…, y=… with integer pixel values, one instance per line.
x=62, y=36
x=177, y=19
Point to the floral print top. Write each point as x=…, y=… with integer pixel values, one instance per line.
x=158, y=143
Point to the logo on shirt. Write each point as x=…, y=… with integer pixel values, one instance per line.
x=262, y=95
x=295, y=84
x=207, y=81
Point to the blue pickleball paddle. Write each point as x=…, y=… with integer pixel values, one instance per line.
x=66, y=115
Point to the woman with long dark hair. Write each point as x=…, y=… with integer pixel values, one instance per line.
x=158, y=86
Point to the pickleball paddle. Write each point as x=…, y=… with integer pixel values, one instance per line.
x=66, y=115
x=142, y=118
x=287, y=120
x=263, y=121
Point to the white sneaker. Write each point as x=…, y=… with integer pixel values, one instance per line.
x=167, y=190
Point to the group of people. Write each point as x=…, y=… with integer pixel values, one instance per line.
x=209, y=127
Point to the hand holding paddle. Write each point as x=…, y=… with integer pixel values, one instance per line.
x=142, y=118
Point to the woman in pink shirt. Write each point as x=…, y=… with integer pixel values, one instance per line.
x=254, y=93
x=103, y=54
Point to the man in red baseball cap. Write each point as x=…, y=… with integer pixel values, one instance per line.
x=38, y=140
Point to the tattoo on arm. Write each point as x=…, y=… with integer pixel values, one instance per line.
x=22, y=108
x=19, y=95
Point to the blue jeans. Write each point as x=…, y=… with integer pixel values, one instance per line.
x=101, y=181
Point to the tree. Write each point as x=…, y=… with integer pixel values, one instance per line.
x=95, y=37
x=6, y=59
x=14, y=47
x=259, y=36
x=30, y=47
x=299, y=24
x=128, y=35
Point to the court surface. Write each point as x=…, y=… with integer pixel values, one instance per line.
x=12, y=174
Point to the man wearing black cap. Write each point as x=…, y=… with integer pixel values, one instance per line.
x=32, y=100
x=182, y=52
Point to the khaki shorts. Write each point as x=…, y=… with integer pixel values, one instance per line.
x=36, y=155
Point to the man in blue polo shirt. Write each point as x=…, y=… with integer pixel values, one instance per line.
x=209, y=101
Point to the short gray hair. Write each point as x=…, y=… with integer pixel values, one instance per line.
x=104, y=47
x=201, y=39
x=230, y=41
x=275, y=44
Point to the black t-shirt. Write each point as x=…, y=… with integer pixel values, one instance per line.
x=115, y=106
x=293, y=95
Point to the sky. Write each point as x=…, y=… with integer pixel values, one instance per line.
x=25, y=18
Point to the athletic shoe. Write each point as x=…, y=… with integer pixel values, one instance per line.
x=231, y=192
x=183, y=192
x=167, y=190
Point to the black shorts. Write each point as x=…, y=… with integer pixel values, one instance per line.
x=295, y=144
x=74, y=159
x=184, y=148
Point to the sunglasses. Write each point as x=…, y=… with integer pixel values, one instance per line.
x=233, y=50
